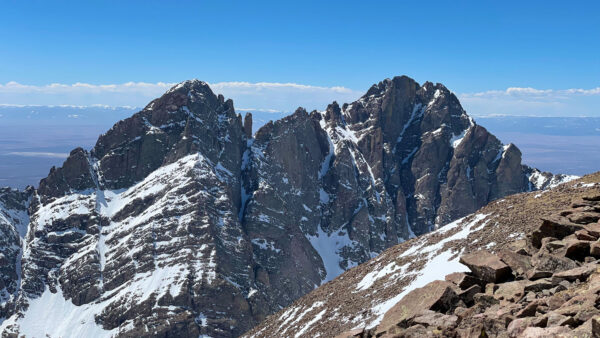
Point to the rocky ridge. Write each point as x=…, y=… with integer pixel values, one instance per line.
x=181, y=222
x=525, y=266
x=548, y=286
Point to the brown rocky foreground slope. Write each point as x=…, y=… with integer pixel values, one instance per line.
x=532, y=271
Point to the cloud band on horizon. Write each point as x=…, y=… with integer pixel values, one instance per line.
x=285, y=97
x=38, y=154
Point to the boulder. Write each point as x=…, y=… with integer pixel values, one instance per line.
x=577, y=304
x=584, y=217
x=528, y=310
x=595, y=326
x=577, y=249
x=484, y=300
x=462, y=280
x=520, y=246
x=511, y=291
x=518, y=326
x=435, y=319
x=585, y=235
x=539, y=285
x=486, y=266
x=587, y=312
x=593, y=229
x=595, y=249
x=562, y=285
x=556, y=301
x=437, y=296
x=519, y=264
x=585, y=330
x=556, y=319
x=581, y=204
x=490, y=288
x=467, y=295
x=581, y=273
x=548, y=332
x=537, y=274
x=551, y=244
x=555, y=226
x=544, y=261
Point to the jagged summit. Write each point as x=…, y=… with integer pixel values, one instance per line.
x=188, y=118
x=180, y=222
x=428, y=155
x=190, y=85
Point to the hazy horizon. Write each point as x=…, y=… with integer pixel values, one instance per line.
x=34, y=140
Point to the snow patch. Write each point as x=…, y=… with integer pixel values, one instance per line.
x=456, y=140
x=370, y=278
x=323, y=196
x=329, y=247
x=265, y=244
x=439, y=264
x=51, y=315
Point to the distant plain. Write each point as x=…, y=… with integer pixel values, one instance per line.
x=33, y=139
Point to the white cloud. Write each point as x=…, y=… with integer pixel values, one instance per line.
x=534, y=102
x=275, y=85
x=266, y=96
x=528, y=91
x=271, y=97
x=38, y=154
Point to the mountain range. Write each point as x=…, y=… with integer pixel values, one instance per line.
x=181, y=221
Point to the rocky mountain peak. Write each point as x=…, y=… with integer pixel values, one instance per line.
x=190, y=85
x=398, y=83
x=395, y=105
x=187, y=118
x=166, y=129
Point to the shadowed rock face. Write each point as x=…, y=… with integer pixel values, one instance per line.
x=180, y=222
x=13, y=225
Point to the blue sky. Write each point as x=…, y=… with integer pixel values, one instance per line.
x=478, y=49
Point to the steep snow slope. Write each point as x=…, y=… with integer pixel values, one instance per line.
x=159, y=264
x=359, y=297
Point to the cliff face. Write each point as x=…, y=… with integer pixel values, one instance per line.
x=180, y=222
x=426, y=154
x=13, y=226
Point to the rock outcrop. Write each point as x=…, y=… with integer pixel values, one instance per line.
x=566, y=303
x=180, y=222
